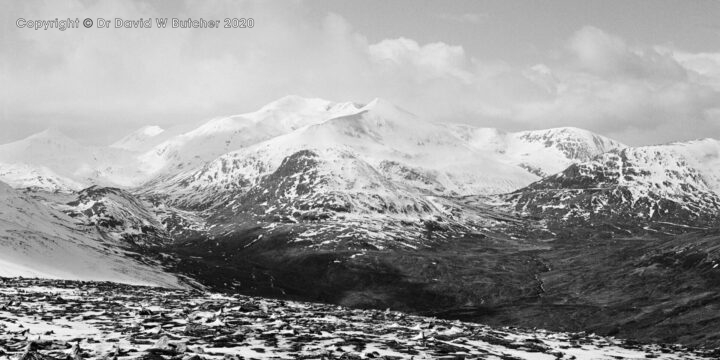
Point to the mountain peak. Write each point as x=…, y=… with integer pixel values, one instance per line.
x=567, y=130
x=49, y=136
x=576, y=143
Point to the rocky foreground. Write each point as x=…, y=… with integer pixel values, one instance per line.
x=55, y=319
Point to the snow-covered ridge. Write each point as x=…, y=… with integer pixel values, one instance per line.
x=377, y=130
x=575, y=143
x=650, y=183
x=402, y=148
x=541, y=152
x=25, y=175
x=140, y=140
x=403, y=156
x=68, y=159
x=379, y=133
x=224, y=134
x=381, y=167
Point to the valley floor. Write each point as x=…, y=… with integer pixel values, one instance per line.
x=52, y=319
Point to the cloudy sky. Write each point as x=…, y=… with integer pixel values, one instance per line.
x=642, y=72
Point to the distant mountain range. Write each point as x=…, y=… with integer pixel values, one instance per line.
x=378, y=132
x=372, y=158
x=348, y=203
x=373, y=173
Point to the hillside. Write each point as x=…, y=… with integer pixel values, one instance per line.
x=38, y=240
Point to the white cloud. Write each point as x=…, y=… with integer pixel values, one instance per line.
x=605, y=54
x=706, y=65
x=426, y=61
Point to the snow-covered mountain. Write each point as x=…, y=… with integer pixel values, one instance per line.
x=69, y=162
x=38, y=240
x=299, y=158
x=25, y=175
x=666, y=184
x=450, y=159
x=432, y=158
x=703, y=155
x=141, y=140
x=52, y=160
x=221, y=135
x=362, y=163
x=574, y=143
x=541, y=152
x=379, y=166
x=318, y=158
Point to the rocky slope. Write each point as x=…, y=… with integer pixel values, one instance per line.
x=105, y=320
x=118, y=215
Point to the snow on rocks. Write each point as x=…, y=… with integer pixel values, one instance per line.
x=45, y=319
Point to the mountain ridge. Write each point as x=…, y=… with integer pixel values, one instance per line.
x=121, y=165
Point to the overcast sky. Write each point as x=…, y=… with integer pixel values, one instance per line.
x=642, y=72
